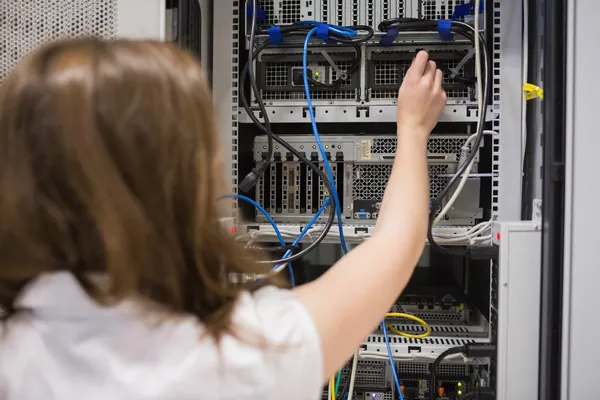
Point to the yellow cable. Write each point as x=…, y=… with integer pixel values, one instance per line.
x=332, y=387
x=411, y=317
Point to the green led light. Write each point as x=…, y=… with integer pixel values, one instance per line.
x=459, y=384
x=460, y=392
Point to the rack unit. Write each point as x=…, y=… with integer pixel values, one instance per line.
x=290, y=192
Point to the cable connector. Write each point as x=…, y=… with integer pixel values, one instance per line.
x=464, y=156
x=477, y=350
x=252, y=178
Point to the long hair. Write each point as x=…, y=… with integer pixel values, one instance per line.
x=110, y=163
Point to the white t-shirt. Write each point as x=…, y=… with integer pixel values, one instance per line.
x=66, y=347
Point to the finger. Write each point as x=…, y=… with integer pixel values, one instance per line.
x=429, y=74
x=439, y=77
x=418, y=66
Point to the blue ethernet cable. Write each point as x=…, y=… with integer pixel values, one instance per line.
x=392, y=365
x=330, y=175
x=271, y=221
x=313, y=121
x=306, y=229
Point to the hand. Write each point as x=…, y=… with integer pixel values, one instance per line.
x=421, y=98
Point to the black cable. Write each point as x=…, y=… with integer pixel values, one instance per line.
x=434, y=366
x=266, y=128
x=287, y=146
x=438, y=202
x=347, y=383
x=467, y=31
x=252, y=178
x=473, y=350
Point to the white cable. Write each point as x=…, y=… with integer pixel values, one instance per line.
x=461, y=185
x=479, y=86
x=411, y=357
x=353, y=375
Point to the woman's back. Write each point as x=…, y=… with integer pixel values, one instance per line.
x=69, y=347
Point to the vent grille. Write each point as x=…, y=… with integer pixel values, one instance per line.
x=370, y=179
x=388, y=72
x=291, y=11
x=403, y=340
x=26, y=24
x=435, y=146
x=435, y=9
x=276, y=75
x=421, y=368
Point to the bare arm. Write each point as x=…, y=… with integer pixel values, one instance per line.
x=352, y=297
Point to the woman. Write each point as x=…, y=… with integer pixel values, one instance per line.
x=112, y=258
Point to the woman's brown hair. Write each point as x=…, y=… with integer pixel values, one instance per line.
x=109, y=162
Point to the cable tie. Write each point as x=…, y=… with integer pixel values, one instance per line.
x=323, y=33
x=261, y=14
x=275, y=36
x=444, y=29
x=461, y=10
x=533, y=91
x=388, y=39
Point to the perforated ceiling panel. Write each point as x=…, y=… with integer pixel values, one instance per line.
x=26, y=24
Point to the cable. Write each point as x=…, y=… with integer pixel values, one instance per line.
x=411, y=317
x=473, y=35
x=474, y=350
x=353, y=375
x=252, y=178
x=271, y=221
x=338, y=380
x=315, y=129
x=434, y=366
x=463, y=171
x=332, y=387
x=391, y=358
x=289, y=148
x=463, y=181
x=266, y=128
x=308, y=226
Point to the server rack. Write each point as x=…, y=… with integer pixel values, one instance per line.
x=356, y=121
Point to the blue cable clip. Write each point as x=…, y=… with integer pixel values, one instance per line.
x=275, y=36
x=261, y=14
x=462, y=10
x=323, y=32
x=389, y=37
x=444, y=26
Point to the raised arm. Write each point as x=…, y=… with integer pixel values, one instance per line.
x=350, y=300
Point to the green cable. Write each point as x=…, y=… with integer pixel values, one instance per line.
x=337, y=383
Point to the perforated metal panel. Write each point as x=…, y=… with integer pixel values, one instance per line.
x=422, y=368
x=435, y=9
x=279, y=74
x=435, y=146
x=368, y=374
x=369, y=179
x=26, y=24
